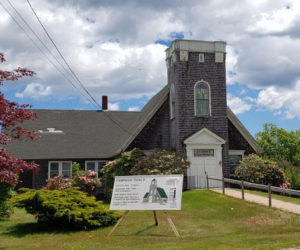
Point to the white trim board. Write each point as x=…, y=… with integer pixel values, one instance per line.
x=236, y=152
x=204, y=137
x=59, y=167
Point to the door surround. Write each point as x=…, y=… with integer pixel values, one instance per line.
x=210, y=162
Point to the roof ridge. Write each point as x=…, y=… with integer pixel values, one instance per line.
x=84, y=110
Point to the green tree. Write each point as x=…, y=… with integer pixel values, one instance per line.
x=278, y=143
x=119, y=167
x=161, y=162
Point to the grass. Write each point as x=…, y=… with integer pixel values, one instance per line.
x=207, y=220
x=294, y=200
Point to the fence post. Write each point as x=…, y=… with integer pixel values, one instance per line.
x=207, y=182
x=270, y=195
x=223, y=185
x=243, y=190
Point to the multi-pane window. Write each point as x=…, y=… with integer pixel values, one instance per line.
x=63, y=168
x=235, y=156
x=234, y=161
x=202, y=99
x=53, y=169
x=66, y=169
x=94, y=166
x=172, y=101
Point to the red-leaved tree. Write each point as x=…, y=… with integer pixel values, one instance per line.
x=12, y=115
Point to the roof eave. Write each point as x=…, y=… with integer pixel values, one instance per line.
x=144, y=121
x=244, y=132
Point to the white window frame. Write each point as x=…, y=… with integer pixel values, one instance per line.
x=203, y=156
x=201, y=58
x=96, y=165
x=172, y=100
x=237, y=152
x=195, y=99
x=60, y=163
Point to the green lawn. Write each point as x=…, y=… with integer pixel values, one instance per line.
x=207, y=221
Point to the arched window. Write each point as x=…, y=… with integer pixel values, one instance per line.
x=202, y=98
x=172, y=101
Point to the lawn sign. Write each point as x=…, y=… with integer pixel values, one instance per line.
x=147, y=192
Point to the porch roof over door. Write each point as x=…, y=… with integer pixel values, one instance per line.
x=204, y=136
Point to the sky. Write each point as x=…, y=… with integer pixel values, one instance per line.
x=117, y=48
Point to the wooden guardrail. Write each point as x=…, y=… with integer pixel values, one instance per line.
x=244, y=184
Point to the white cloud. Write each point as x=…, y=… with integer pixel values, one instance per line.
x=135, y=108
x=281, y=100
x=250, y=99
x=114, y=53
x=237, y=105
x=231, y=65
x=35, y=91
x=277, y=19
x=113, y=106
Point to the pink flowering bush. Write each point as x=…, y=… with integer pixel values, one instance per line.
x=87, y=182
x=58, y=183
x=257, y=170
x=285, y=185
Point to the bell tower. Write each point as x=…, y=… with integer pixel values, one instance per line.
x=197, y=81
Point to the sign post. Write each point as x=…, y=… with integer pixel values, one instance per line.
x=147, y=192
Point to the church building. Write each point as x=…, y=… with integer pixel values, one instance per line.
x=189, y=115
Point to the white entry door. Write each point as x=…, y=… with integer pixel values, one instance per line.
x=204, y=160
x=204, y=151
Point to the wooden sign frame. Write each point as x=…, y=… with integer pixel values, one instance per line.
x=171, y=223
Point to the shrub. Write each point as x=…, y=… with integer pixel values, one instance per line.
x=293, y=177
x=76, y=168
x=254, y=169
x=64, y=208
x=118, y=167
x=58, y=183
x=86, y=182
x=285, y=185
x=291, y=172
x=6, y=192
x=161, y=162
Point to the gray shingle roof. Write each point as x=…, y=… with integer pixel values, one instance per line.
x=86, y=134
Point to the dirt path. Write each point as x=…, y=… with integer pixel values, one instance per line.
x=288, y=206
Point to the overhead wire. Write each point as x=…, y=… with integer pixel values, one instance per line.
x=73, y=73
x=39, y=48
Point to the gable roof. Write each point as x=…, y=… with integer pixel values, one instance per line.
x=146, y=114
x=155, y=103
x=243, y=131
x=205, y=136
x=162, y=193
x=102, y=137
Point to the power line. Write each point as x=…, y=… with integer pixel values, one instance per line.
x=81, y=84
x=38, y=47
x=18, y=13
